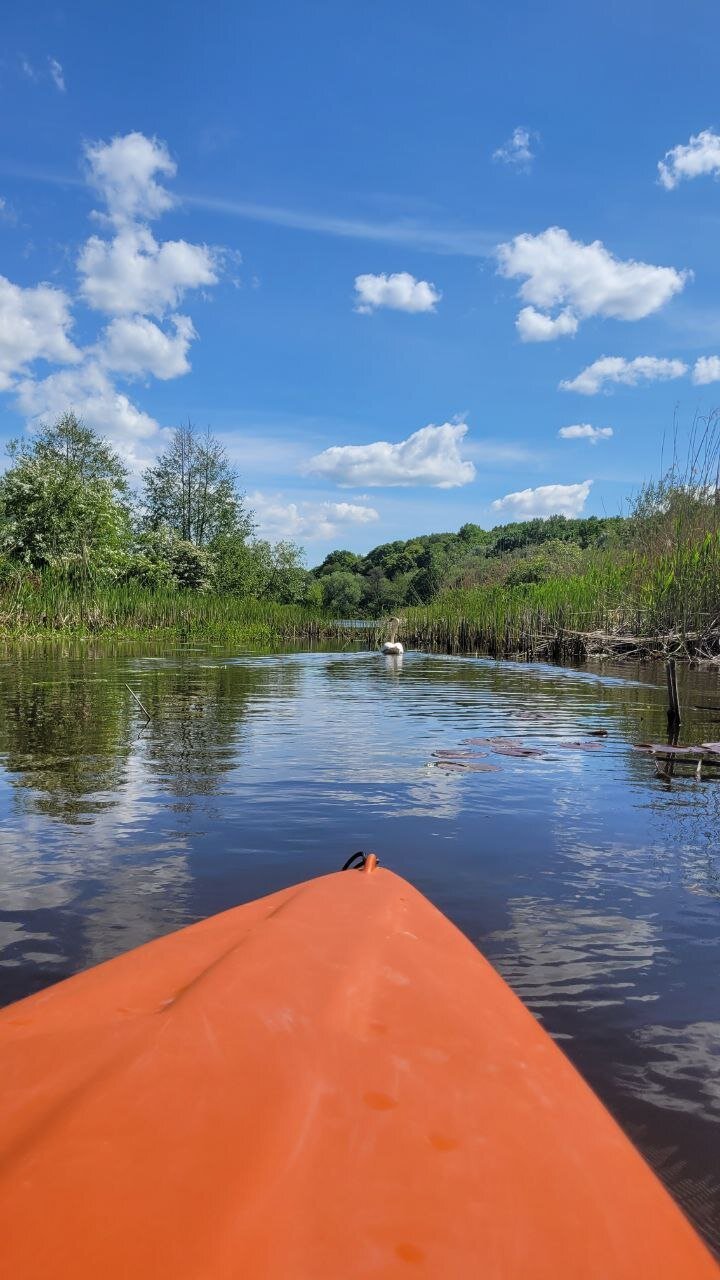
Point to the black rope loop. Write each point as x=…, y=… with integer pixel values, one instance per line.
x=356, y=859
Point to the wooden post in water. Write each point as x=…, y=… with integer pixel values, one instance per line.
x=673, y=713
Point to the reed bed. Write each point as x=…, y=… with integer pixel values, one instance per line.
x=46, y=606
x=617, y=609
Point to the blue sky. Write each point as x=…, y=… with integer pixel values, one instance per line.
x=316, y=226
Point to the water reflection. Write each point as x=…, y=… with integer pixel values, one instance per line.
x=63, y=738
x=682, y=1068
x=557, y=954
x=591, y=885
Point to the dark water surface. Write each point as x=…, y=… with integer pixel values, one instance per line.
x=592, y=885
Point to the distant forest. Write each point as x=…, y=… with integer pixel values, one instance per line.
x=415, y=572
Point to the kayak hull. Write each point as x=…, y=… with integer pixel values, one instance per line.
x=329, y=1082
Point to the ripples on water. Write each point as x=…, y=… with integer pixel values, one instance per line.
x=592, y=885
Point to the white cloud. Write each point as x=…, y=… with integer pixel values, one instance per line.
x=131, y=277
x=701, y=155
x=57, y=74
x=629, y=373
x=535, y=326
x=584, y=279
x=132, y=273
x=517, y=151
x=547, y=500
x=137, y=346
x=34, y=324
x=124, y=173
x=430, y=456
x=312, y=521
x=91, y=394
x=401, y=292
x=707, y=369
x=583, y=431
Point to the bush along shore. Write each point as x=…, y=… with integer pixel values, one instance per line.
x=82, y=555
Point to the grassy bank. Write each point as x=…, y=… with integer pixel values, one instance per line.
x=42, y=605
x=620, y=608
x=629, y=607
x=646, y=585
x=641, y=603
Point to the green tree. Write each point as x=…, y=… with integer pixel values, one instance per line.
x=260, y=569
x=337, y=560
x=162, y=560
x=63, y=500
x=193, y=490
x=342, y=592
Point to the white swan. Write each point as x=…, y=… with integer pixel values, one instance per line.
x=392, y=644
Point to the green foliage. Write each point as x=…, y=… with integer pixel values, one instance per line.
x=46, y=604
x=63, y=502
x=160, y=559
x=397, y=575
x=260, y=569
x=341, y=593
x=192, y=490
x=338, y=560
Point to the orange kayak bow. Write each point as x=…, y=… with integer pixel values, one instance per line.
x=325, y=1084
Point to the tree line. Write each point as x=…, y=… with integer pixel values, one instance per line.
x=66, y=507
x=414, y=572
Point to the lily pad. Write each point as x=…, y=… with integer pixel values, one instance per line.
x=467, y=766
x=712, y=746
x=579, y=746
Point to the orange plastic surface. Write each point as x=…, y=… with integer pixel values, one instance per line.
x=325, y=1084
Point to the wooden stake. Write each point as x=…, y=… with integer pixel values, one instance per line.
x=673, y=713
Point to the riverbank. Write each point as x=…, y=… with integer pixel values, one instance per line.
x=561, y=620
x=41, y=608
x=565, y=620
x=601, y=613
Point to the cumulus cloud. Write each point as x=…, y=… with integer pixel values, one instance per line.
x=699, y=156
x=400, y=292
x=133, y=273
x=628, y=373
x=310, y=521
x=517, y=151
x=130, y=276
x=583, y=431
x=137, y=346
x=583, y=279
x=92, y=395
x=547, y=500
x=34, y=324
x=124, y=172
x=430, y=456
x=706, y=369
x=57, y=73
x=536, y=326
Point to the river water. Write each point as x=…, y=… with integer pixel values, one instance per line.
x=592, y=884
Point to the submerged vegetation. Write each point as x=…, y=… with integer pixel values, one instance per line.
x=80, y=554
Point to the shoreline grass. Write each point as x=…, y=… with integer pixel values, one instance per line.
x=665, y=601
x=44, y=607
